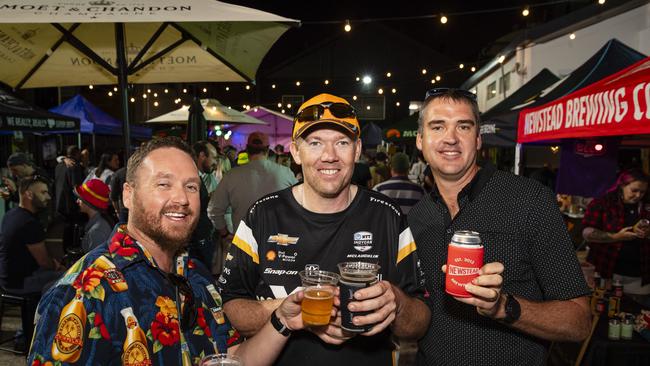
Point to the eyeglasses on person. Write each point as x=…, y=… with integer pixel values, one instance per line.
x=315, y=112
x=439, y=91
x=188, y=316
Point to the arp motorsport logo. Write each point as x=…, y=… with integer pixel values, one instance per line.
x=283, y=239
x=362, y=241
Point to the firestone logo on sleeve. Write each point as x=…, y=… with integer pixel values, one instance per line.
x=362, y=241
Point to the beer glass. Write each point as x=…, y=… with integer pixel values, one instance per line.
x=355, y=276
x=319, y=296
x=221, y=359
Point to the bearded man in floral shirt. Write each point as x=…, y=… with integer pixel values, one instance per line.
x=138, y=299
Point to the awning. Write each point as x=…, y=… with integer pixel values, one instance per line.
x=616, y=105
x=18, y=115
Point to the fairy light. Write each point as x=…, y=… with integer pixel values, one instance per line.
x=473, y=69
x=380, y=91
x=227, y=88
x=394, y=90
x=166, y=91
x=132, y=100
x=461, y=66
x=155, y=104
x=144, y=96
x=397, y=104
x=297, y=83
x=273, y=86
x=248, y=87
x=205, y=90
x=354, y=97
x=347, y=27
x=327, y=82
x=525, y=12
x=184, y=91
x=91, y=87
x=388, y=74
x=424, y=71
x=443, y=19
x=110, y=93
x=572, y=36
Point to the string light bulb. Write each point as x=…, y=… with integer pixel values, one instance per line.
x=388, y=74
x=358, y=78
x=110, y=93
x=473, y=69
x=166, y=91
x=424, y=71
x=438, y=78
x=601, y=2
x=227, y=88
x=397, y=104
x=347, y=27
x=380, y=91
x=368, y=107
x=394, y=90
x=443, y=19
x=144, y=96
x=90, y=87
x=354, y=97
x=184, y=91
x=461, y=66
x=205, y=90
x=155, y=95
x=148, y=91
x=248, y=87
x=501, y=59
x=115, y=89
x=367, y=80
x=572, y=36
x=282, y=111
x=327, y=82
x=132, y=100
x=433, y=81
x=297, y=83
x=525, y=12
x=279, y=105
x=155, y=104
x=273, y=86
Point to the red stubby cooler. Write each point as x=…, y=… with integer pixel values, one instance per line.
x=464, y=261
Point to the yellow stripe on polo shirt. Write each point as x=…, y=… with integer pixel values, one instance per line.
x=245, y=241
x=90, y=191
x=406, y=244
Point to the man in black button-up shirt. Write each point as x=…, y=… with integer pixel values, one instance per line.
x=531, y=290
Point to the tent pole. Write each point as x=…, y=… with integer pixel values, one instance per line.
x=122, y=78
x=518, y=149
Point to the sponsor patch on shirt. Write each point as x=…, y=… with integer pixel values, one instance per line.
x=362, y=241
x=283, y=239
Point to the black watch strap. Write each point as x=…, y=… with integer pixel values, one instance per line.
x=277, y=324
x=512, y=309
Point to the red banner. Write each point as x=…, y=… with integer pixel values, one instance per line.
x=616, y=105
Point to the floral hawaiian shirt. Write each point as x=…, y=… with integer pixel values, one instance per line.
x=116, y=307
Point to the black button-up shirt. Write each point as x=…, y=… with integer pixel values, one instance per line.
x=520, y=226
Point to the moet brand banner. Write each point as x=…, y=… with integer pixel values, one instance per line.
x=616, y=105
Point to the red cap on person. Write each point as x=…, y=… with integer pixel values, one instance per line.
x=93, y=192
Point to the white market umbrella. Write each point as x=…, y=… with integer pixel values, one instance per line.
x=66, y=43
x=213, y=111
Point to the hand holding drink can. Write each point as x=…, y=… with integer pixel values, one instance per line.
x=319, y=296
x=464, y=261
x=355, y=276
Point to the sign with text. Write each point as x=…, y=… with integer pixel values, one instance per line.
x=617, y=105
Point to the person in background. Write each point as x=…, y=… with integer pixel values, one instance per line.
x=361, y=175
x=242, y=186
x=531, y=289
x=108, y=164
x=117, y=187
x=20, y=167
x=138, y=299
x=203, y=238
x=619, y=245
x=66, y=178
x=25, y=264
x=416, y=173
x=231, y=154
x=92, y=198
x=379, y=170
x=399, y=187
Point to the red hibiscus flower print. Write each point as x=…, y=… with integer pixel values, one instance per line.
x=87, y=280
x=165, y=329
x=200, y=319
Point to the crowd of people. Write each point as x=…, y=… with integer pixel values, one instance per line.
x=195, y=250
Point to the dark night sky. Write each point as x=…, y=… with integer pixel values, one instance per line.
x=464, y=39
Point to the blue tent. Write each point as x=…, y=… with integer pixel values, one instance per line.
x=95, y=120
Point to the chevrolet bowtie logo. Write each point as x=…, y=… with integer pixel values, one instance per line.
x=283, y=239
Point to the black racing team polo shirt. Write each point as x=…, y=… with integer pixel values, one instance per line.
x=521, y=226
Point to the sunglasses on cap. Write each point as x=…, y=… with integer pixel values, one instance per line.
x=439, y=91
x=314, y=112
x=188, y=316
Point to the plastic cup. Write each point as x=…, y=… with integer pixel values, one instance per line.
x=355, y=276
x=221, y=359
x=319, y=296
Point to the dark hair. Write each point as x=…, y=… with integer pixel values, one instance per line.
x=615, y=192
x=72, y=151
x=254, y=150
x=103, y=163
x=145, y=149
x=456, y=95
x=25, y=183
x=201, y=147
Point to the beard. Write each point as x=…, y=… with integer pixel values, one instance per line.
x=150, y=224
x=39, y=204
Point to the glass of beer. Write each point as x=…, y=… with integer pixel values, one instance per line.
x=355, y=276
x=221, y=359
x=319, y=296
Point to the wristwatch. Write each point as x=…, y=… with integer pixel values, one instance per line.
x=277, y=324
x=512, y=309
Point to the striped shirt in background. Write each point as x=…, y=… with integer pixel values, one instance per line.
x=402, y=190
